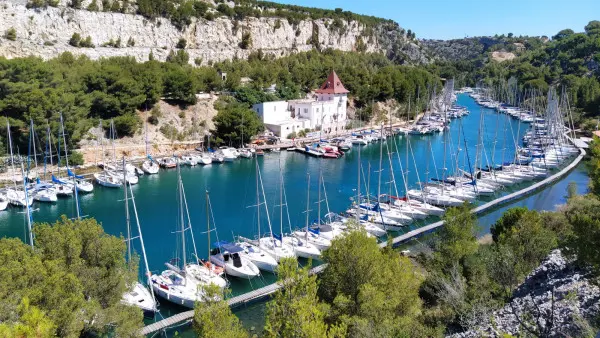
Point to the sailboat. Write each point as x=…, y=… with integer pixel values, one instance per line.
x=74, y=181
x=139, y=295
x=228, y=255
x=61, y=186
x=302, y=247
x=149, y=166
x=15, y=196
x=183, y=284
x=41, y=191
x=105, y=178
x=271, y=244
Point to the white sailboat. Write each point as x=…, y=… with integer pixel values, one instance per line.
x=139, y=295
x=76, y=183
x=41, y=191
x=15, y=196
x=302, y=247
x=183, y=286
x=149, y=166
x=105, y=178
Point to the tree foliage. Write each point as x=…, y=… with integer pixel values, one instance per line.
x=356, y=284
x=235, y=120
x=213, y=317
x=76, y=277
x=296, y=310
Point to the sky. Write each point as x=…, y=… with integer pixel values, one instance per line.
x=451, y=19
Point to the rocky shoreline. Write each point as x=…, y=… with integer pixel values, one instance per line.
x=556, y=300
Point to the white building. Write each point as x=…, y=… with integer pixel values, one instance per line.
x=325, y=112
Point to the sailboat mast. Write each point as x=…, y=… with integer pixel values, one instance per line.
x=358, y=189
x=257, y=197
x=207, y=223
x=67, y=162
x=12, y=160
x=137, y=221
x=319, y=197
x=307, y=203
x=181, y=213
x=28, y=207
x=127, y=220
x=265, y=202
x=380, y=167
x=280, y=198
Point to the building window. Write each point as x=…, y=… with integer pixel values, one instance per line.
x=317, y=110
x=305, y=110
x=274, y=108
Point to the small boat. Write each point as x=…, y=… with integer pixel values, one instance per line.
x=217, y=157
x=43, y=192
x=245, y=153
x=205, y=159
x=231, y=257
x=107, y=180
x=259, y=152
x=190, y=160
x=3, y=203
x=150, y=167
x=260, y=258
x=167, y=162
x=17, y=198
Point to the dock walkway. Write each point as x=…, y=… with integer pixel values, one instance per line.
x=268, y=290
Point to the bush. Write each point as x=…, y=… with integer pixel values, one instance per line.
x=181, y=44
x=93, y=6
x=246, y=41
x=11, y=34
x=302, y=133
x=225, y=10
x=277, y=24
x=169, y=131
x=126, y=125
x=76, y=158
x=75, y=40
x=198, y=62
x=87, y=42
x=130, y=42
x=291, y=135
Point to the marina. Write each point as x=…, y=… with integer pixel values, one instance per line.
x=232, y=188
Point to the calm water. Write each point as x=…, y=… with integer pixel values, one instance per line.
x=232, y=188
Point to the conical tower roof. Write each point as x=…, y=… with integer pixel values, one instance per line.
x=332, y=85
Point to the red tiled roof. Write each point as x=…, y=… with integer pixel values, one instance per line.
x=332, y=85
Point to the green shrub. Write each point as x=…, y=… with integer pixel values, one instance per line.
x=225, y=10
x=246, y=41
x=11, y=34
x=93, y=6
x=292, y=135
x=87, y=42
x=75, y=40
x=181, y=44
x=277, y=24
x=198, y=62
x=126, y=125
x=130, y=42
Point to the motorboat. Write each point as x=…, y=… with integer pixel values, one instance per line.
x=167, y=162
x=227, y=154
x=230, y=257
x=245, y=153
x=217, y=157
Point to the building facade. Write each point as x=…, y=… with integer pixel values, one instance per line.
x=325, y=111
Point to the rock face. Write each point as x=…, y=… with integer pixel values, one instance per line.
x=46, y=33
x=575, y=298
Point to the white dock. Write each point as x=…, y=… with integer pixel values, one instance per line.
x=268, y=290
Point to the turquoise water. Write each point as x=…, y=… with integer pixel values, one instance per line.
x=232, y=188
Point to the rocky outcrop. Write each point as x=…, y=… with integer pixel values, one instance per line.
x=554, y=301
x=46, y=33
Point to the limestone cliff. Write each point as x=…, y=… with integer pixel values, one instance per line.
x=45, y=32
